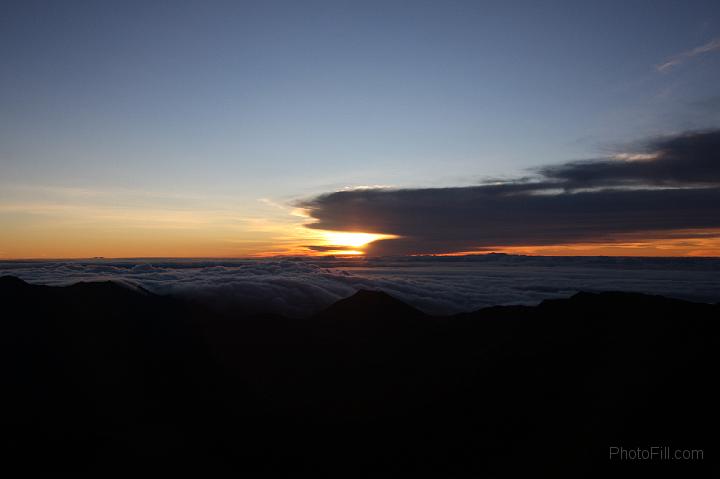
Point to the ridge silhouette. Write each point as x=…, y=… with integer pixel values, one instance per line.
x=366, y=302
x=100, y=375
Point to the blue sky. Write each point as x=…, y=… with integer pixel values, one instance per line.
x=254, y=104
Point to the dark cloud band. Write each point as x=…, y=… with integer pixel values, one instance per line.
x=674, y=185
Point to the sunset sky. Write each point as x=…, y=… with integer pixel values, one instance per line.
x=238, y=128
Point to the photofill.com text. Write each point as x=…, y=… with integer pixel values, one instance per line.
x=655, y=453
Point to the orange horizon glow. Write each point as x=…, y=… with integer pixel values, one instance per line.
x=53, y=223
x=352, y=246
x=678, y=246
x=45, y=231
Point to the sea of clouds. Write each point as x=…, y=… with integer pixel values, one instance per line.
x=438, y=285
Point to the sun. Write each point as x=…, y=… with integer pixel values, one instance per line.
x=354, y=240
x=343, y=243
x=350, y=240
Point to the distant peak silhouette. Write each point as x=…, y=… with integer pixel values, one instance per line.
x=10, y=285
x=367, y=303
x=9, y=281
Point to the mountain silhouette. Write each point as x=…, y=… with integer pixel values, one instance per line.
x=105, y=376
x=10, y=283
x=367, y=304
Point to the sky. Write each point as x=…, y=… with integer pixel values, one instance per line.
x=233, y=129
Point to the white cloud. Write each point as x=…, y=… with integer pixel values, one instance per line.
x=298, y=287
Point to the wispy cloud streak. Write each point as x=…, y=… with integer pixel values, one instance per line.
x=711, y=46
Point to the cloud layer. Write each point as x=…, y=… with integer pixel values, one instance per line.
x=299, y=287
x=671, y=184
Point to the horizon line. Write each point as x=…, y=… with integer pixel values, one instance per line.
x=346, y=257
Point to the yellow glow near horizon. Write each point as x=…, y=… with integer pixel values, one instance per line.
x=342, y=252
x=61, y=223
x=353, y=240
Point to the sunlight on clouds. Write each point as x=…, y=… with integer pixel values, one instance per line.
x=76, y=223
x=697, y=243
x=355, y=240
x=636, y=156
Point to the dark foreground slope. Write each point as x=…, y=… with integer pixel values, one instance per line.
x=97, y=377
